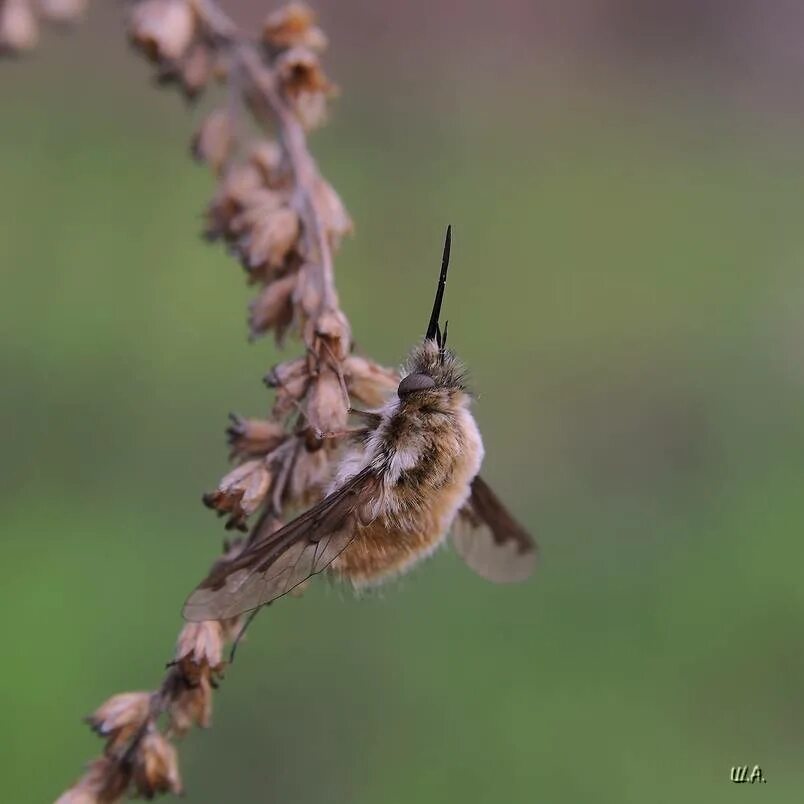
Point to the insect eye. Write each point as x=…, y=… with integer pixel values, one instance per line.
x=414, y=382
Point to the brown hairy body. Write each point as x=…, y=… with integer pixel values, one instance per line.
x=428, y=449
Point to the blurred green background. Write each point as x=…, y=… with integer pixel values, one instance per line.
x=627, y=292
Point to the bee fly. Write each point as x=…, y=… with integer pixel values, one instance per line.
x=408, y=477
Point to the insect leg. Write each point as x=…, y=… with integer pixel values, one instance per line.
x=242, y=632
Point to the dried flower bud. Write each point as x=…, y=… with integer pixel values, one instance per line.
x=311, y=109
x=257, y=205
x=119, y=718
x=288, y=396
x=162, y=29
x=201, y=643
x=156, y=766
x=370, y=383
x=249, y=437
x=272, y=237
x=105, y=782
x=235, y=187
x=336, y=217
x=61, y=10
x=191, y=705
x=214, y=140
x=273, y=308
x=241, y=492
x=196, y=69
x=18, y=27
x=290, y=370
x=326, y=405
x=299, y=70
x=333, y=328
x=291, y=381
x=293, y=25
x=268, y=157
x=314, y=39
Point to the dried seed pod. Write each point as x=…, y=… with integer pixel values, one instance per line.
x=162, y=29
x=19, y=29
x=190, y=705
x=332, y=327
x=273, y=308
x=293, y=25
x=283, y=373
x=369, y=382
x=271, y=236
x=289, y=395
x=201, y=643
x=237, y=185
x=326, y=406
x=249, y=437
x=257, y=205
x=311, y=108
x=241, y=492
x=315, y=39
x=336, y=217
x=119, y=718
x=268, y=157
x=295, y=387
x=299, y=70
x=214, y=140
x=156, y=766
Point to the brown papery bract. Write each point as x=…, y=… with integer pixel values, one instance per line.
x=283, y=221
x=19, y=29
x=273, y=308
x=120, y=718
x=163, y=29
x=269, y=158
x=293, y=25
x=214, y=140
x=156, y=765
x=299, y=70
x=20, y=21
x=327, y=408
x=249, y=437
x=196, y=69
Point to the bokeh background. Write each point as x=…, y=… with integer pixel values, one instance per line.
x=626, y=183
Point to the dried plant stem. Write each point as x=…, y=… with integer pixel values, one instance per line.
x=304, y=169
x=291, y=133
x=284, y=222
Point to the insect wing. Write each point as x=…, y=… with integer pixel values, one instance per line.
x=490, y=540
x=273, y=565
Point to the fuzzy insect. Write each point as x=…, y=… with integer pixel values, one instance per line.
x=408, y=477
